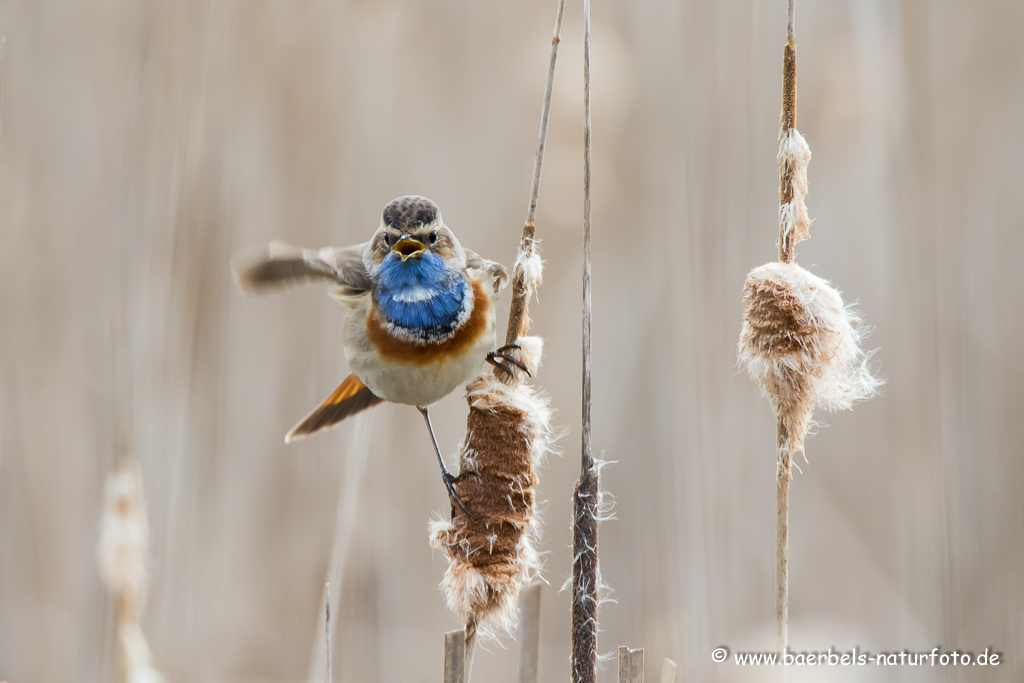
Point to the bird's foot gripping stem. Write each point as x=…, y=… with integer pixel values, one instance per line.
x=502, y=359
x=449, y=481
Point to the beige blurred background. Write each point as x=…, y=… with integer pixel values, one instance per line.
x=143, y=143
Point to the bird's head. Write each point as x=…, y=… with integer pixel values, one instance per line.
x=411, y=229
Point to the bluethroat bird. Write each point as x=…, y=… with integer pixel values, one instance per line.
x=421, y=318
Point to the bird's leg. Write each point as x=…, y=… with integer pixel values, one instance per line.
x=502, y=353
x=446, y=476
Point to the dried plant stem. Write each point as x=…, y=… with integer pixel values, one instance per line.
x=585, y=578
x=785, y=475
x=518, y=320
x=668, y=671
x=455, y=656
x=585, y=497
x=529, y=633
x=470, y=649
x=787, y=253
x=327, y=628
x=631, y=665
x=545, y=113
x=587, y=459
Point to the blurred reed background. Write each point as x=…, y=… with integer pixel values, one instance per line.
x=143, y=143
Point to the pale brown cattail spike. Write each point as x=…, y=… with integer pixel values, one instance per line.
x=799, y=342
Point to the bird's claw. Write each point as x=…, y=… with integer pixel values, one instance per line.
x=449, y=482
x=502, y=354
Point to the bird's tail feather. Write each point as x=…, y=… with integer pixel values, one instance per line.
x=351, y=397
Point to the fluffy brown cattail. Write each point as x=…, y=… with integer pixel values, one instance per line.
x=493, y=554
x=801, y=345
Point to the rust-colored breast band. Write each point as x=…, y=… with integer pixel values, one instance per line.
x=416, y=354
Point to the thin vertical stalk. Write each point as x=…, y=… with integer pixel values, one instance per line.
x=587, y=459
x=787, y=252
x=791, y=24
x=529, y=633
x=785, y=474
x=327, y=628
x=585, y=576
x=518, y=319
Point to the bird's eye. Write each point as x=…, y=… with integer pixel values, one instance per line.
x=433, y=237
x=387, y=240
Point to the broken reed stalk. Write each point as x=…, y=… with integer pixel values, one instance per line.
x=586, y=496
x=455, y=656
x=668, y=671
x=492, y=554
x=631, y=665
x=800, y=343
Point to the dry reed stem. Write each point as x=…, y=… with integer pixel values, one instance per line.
x=455, y=656
x=518, y=320
x=586, y=575
x=528, y=633
x=789, y=235
x=668, y=671
x=783, y=477
x=327, y=628
x=631, y=665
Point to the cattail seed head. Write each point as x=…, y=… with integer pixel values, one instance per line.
x=801, y=345
x=794, y=156
x=493, y=554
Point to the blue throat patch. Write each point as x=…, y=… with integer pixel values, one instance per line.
x=420, y=295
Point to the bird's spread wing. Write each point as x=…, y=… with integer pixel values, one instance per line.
x=351, y=397
x=282, y=264
x=492, y=272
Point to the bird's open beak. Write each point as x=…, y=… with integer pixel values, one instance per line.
x=407, y=247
